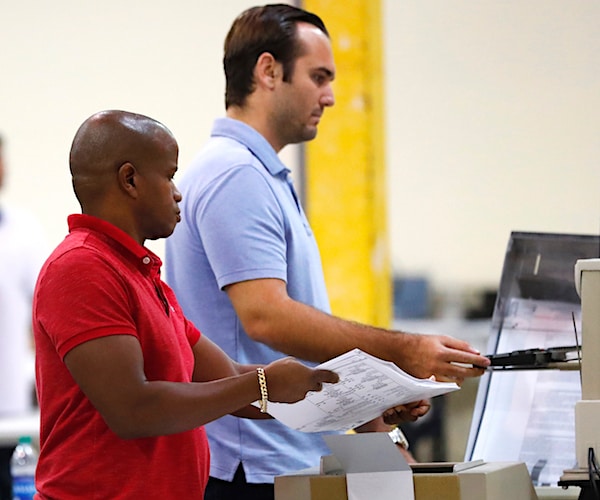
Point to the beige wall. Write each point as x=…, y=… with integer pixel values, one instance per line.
x=493, y=111
x=62, y=61
x=493, y=126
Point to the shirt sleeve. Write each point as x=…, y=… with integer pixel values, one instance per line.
x=92, y=303
x=243, y=227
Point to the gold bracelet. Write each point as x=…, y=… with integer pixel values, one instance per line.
x=264, y=394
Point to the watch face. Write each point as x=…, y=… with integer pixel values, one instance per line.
x=398, y=438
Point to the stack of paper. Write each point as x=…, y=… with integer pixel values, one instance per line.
x=368, y=386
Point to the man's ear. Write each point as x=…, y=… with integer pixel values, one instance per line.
x=267, y=70
x=127, y=178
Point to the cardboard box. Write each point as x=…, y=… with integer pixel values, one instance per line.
x=488, y=481
x=368, y=466
x=437, y=486
x=363, y=466
x=310, y=487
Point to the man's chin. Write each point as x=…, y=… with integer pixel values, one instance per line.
x=163, y=234
x=309, y=134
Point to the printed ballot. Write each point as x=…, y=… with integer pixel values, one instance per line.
x=368, y=386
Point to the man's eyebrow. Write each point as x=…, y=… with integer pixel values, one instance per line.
x=330, y=74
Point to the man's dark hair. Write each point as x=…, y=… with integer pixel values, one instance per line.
x=269, y=28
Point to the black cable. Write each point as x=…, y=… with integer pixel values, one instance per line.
x=578, y=345
x=593, y=471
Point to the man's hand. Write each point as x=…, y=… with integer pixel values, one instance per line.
x=407, y=412
x=288, y=380
x=446, y=358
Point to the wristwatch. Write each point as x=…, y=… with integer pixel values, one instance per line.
x=398, y=437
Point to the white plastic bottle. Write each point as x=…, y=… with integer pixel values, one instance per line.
x=22, y=468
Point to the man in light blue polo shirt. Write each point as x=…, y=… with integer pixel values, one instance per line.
x=244, y=262
x=270, y=239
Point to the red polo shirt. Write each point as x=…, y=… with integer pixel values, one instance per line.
x=100, y=282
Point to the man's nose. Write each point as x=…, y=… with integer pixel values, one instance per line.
x=328, y=99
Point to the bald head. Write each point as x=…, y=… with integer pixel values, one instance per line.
x=104, y=142
x=123, y=165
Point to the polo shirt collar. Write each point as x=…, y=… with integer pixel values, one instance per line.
x=255, y=142
x=146, y=259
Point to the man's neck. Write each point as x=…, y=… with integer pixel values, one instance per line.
x=257, y=122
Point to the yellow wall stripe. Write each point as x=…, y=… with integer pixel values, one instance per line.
x=345, y=167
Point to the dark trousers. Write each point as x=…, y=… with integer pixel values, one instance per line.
x=238, y=489
x=5, y=477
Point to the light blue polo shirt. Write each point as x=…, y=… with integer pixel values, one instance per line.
x=241, y=220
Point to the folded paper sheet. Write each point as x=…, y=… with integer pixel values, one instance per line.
x=368, y=386
x=373, y=466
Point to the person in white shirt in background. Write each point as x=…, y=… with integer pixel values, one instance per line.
x=23, y=249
